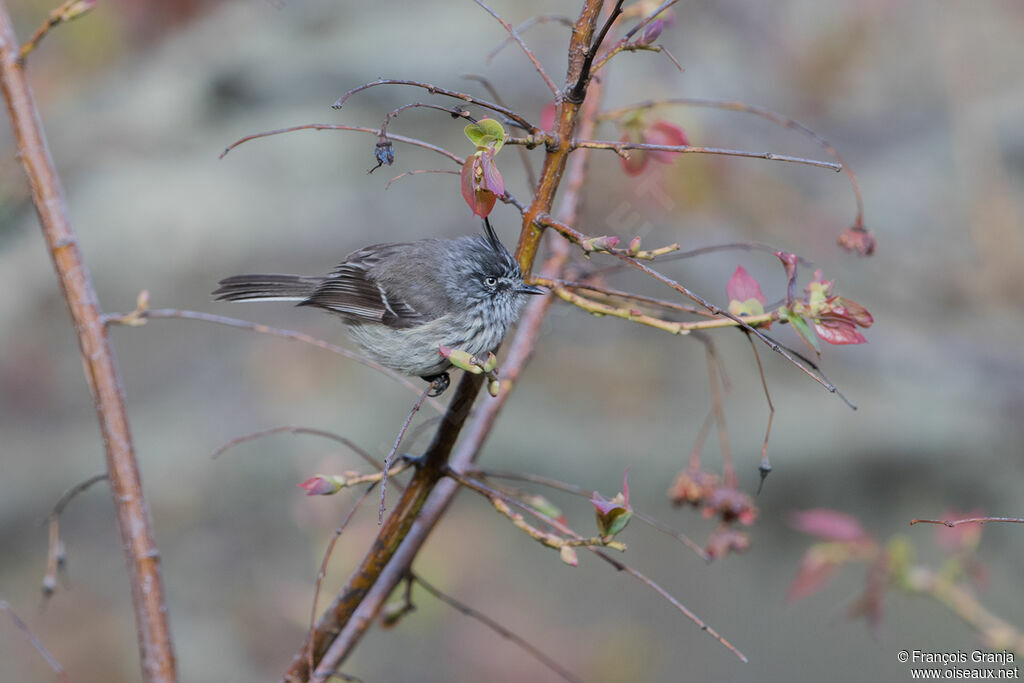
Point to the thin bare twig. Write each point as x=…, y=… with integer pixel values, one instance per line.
x=434, y=90
x=765, y=113
x=519, y=39
x=296, y=429
x=488, y=492
x=133, y=318
x=970, y=520
x=525, y=26
x=327, y=557
x=337, y=126
x=71, y=9
x=766, y=466
x=51, y=661
x=418, y=171
x=138, y=542
x=55, y=548
x=394, y=449
x=728, y=467
x=621, y=148
x=502, y=631
x=577, y=238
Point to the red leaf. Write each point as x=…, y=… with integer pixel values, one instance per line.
x=481, y=201
x=856, y=312
x=743, y=286
x=815, y=572
x=838, y=332
x=789, y=262
x=830, y=525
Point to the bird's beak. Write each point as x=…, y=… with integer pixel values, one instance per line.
x=531, y=289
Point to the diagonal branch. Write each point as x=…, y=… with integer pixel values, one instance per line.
x=51, y=661
x=524, y=27
x=519, y=39
x=530, y=649
x=156, y=647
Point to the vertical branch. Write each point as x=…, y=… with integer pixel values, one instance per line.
x=133, y=518
x=407, y=529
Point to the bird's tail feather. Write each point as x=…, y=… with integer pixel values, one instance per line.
x=266, y=288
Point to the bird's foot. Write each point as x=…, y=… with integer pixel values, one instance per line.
x=438, y=384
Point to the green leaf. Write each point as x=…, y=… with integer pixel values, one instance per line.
x=486, y=133
x=803, y=329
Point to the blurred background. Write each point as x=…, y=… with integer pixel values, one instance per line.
x=924, y=100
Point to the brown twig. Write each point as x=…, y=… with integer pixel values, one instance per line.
x=502, y=631
x=71, y=9
x=578, y=238
x=519, y=39
x=434, y=90
x=51, y=661
x=621, y=148
x=610, y=293
x=765, y=113
x=576, y=490
x=337, y=126
x=55, y=548
x=296, y=429
x=728, y=467
x=418, y=171
x=134, y=317
x=133, y=517
x=522, y=28
x=970, y=520
x=590, y=545
x=698, y=443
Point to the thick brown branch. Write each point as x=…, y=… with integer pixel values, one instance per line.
x=133, y=517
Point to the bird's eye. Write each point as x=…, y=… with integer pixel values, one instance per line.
x=490, y=281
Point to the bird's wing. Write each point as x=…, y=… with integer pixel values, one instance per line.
x=353, y=291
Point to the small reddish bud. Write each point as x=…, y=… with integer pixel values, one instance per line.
x=693, y=487
x=732, y=505
x=724, y=541
x=321, y=485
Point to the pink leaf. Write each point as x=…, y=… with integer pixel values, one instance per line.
x=815, y=572
x=319, y=486
x=742, y=286
x=838, y=332
x=492, y=178
x=830, y=525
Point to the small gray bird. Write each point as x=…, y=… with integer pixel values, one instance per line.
x=400, y=302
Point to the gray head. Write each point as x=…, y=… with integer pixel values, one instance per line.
x=484, y=273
